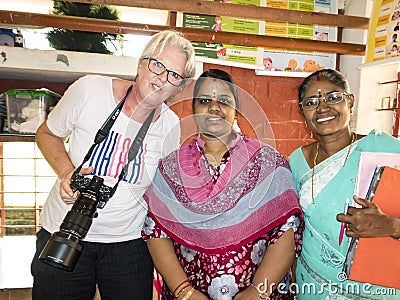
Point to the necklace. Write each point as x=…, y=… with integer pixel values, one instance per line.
x=353, y=138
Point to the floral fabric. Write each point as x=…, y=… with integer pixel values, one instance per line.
x=221, y=276
x=221, y=221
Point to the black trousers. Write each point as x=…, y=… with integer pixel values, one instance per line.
x=122, y=271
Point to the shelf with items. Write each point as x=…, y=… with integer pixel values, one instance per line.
x=62, y=66
x=378, y=80
x=57, y=66
x=392, y=104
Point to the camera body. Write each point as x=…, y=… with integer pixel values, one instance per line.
x=92, y=185
x=64, y=247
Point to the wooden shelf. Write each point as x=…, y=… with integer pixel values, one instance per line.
x=388, y=109
x=7, y=137
x=62, y=66
x=390, y=81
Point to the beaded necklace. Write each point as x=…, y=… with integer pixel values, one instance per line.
x=353, y=138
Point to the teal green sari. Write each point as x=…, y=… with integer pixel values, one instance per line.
x=318, y=272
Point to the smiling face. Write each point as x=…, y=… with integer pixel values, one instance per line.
x=214, y=108
x=327, y=119
x=149, y=83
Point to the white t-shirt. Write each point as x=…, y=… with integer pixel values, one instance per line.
x=83, y=109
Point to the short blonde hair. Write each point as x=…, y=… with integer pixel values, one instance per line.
x=176, y=39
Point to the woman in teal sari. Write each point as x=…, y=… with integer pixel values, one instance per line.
x=325, y=172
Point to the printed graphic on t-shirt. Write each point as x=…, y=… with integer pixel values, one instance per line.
x=110, y=157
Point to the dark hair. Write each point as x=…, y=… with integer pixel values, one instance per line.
x=217, y=74
x=331, y=75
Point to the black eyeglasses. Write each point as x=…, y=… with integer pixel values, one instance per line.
x=158, y=68
x=329, y=98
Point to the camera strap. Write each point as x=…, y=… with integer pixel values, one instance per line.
x=105, y=129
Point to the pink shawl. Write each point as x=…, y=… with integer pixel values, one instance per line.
x=254, y=193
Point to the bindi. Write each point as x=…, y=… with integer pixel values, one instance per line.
x=214, y=90
x=214, y=93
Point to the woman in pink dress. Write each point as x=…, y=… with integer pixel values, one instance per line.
x=224, y=220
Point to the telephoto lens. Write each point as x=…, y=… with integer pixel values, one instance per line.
x=64, y=247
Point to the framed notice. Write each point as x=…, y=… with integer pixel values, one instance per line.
x=247, y=57
x=384, y=34
x=300, y=61
x=260, y=58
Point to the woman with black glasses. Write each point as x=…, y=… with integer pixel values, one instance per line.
x=114, y=256
x=325, y=172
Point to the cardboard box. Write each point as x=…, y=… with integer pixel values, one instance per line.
x=27, y=109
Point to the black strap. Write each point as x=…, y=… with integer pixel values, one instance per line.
x=105, y=129
x=134, y=149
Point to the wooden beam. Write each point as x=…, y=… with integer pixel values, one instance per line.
x=250, y=12
x=18, y=19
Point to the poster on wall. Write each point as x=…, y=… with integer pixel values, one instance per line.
x=384, y=34
x=259, y=58
x=248, y=57
x=300, y=61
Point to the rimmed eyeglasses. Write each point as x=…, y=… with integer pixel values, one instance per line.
x=329, y=98
x=158, y=68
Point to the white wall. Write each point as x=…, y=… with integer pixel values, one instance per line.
x=349, y=64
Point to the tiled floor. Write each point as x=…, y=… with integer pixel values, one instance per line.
x=25, y=294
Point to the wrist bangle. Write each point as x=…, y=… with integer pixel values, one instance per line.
x=182, y=290
x=262, y=294
x=188, y=294
x=178, y=286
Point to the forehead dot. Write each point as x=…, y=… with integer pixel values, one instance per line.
x=214, y=90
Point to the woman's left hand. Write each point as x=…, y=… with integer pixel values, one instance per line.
x=366, y=222
x=250, y=293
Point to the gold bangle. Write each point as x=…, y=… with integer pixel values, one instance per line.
x=188, y=294
x=182, y=290
x=178, y=286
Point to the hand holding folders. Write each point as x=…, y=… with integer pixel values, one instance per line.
x=375, y=260
x=367, y=222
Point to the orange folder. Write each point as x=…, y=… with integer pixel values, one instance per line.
x=377, y=260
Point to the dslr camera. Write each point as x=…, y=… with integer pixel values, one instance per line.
x=64, y=247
